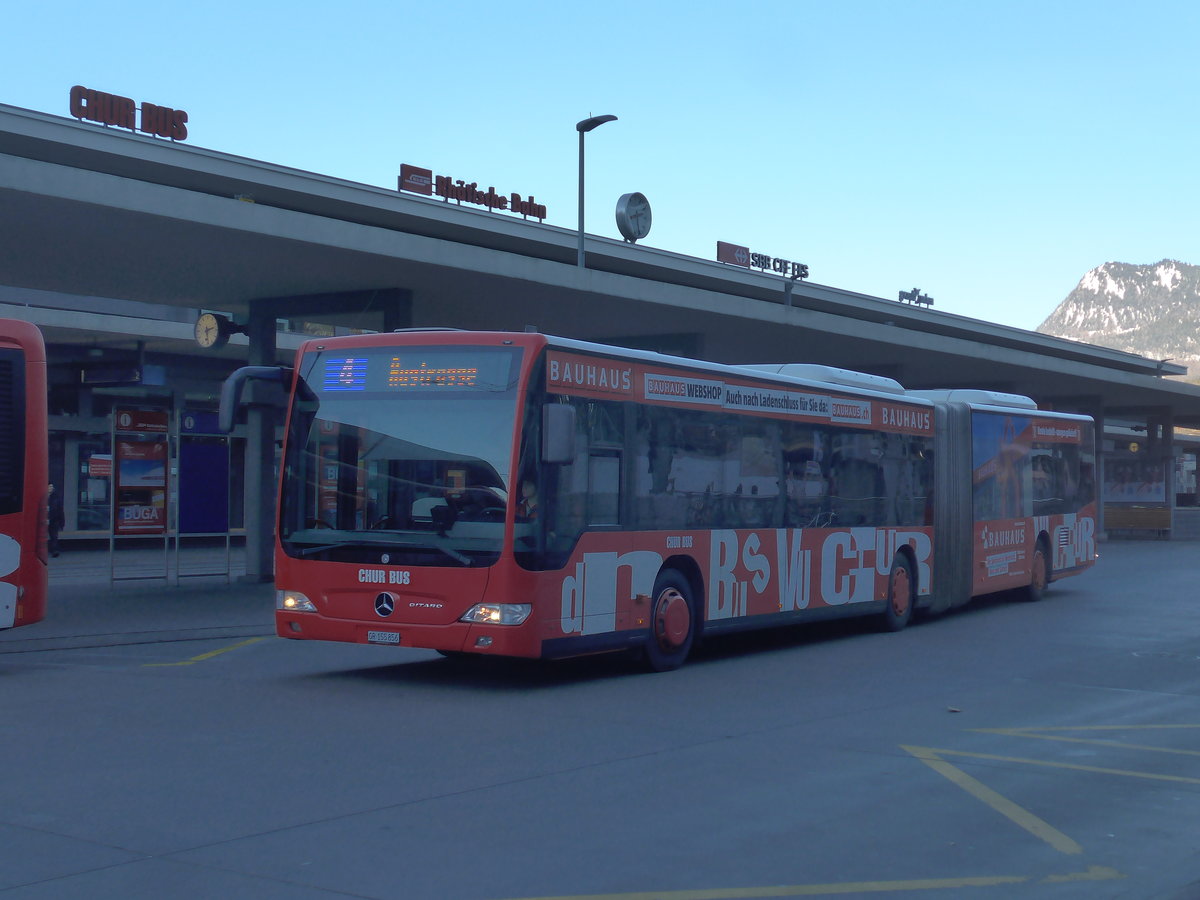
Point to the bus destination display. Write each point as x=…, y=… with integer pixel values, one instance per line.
x=345, y=374
x=402, y=374
x=392, y=371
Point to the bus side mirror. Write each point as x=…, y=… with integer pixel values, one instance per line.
x=231, y=390
x=558, y=434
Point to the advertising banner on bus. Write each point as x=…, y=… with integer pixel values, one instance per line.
x=1028, y=479
x=590, y=376
x=759, y=572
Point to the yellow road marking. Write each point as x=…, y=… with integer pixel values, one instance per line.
x=1021, y=817
x=1077, y=767
x=1176, y=726
x=203, y=656
x=1094, y=873
x=1095, y=742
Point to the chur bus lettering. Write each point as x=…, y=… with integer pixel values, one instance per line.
x=122, y=112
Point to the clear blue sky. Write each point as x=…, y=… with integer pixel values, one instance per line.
x=988, y=153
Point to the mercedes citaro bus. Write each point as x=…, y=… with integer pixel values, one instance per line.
x=534, y=496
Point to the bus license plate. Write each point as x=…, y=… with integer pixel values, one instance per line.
x=383, y=637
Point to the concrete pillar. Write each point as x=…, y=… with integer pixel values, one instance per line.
x=1166, y=424
x=383, y=309
x=1097, y=413
x=397, y=309
x=260, y=481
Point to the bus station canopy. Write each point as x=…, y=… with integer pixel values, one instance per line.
x=88, y=211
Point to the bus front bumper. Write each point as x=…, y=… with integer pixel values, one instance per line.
x=457, y=637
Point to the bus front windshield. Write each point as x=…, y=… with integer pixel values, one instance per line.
x=400, y=455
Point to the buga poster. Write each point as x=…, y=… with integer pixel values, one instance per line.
x=141, y=489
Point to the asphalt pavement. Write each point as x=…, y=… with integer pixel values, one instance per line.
x=146, y=595
x=1042, y=751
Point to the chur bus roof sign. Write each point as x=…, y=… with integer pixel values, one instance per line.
x=423, y=181
x=122, y=112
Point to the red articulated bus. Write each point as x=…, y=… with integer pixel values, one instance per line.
x=24, y=474
x=532, y=496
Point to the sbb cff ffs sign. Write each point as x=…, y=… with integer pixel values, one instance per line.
x=737, y=255
x=111, y=109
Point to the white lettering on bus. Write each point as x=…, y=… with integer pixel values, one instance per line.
x=843, y=410
x=592, y=376
x=1084, y=540
x=660, y=386
x=853, y=568
x=846, y=574
x=920, y=544
x=725, y=592
x=382, y=576
x=1004, y=537
x=10, y=561
x=1074, y=540
x=1071, y=433
x=589, y=597
x=795, y=570
x=899, y=417
x=757, y=563
x=726, y=595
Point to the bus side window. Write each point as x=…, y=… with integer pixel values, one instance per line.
x=587, y=491
x=604, y=488
x=806, y=477
x=857, y=479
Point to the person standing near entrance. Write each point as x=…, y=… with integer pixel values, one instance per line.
x=55, y=519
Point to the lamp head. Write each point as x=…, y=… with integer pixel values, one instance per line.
x=594, y=122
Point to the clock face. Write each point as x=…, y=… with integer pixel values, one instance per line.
x=633, y=216
x=210, y=331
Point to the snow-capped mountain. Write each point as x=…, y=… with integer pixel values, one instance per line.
x=1153, y=310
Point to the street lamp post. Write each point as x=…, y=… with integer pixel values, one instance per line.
x=583, y=128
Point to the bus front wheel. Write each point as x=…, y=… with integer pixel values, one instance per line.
x=901, y=596
x=672, y=622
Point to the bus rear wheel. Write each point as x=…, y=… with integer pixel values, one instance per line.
x=901, y=595
x=1039, y=572
x=672, y=622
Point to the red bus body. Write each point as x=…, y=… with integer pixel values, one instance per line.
x=24, y=474
x=691, y=499
x=1016, y=495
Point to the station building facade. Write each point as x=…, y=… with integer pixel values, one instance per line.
x=116, y=242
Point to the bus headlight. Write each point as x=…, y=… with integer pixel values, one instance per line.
x=498, y=613
x=293, y=601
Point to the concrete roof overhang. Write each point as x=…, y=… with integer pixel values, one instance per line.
x=99, y=212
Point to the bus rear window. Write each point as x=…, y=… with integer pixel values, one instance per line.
x=12, y=430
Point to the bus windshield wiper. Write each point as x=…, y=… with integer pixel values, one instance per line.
x=321, y=548
x=435, y=545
